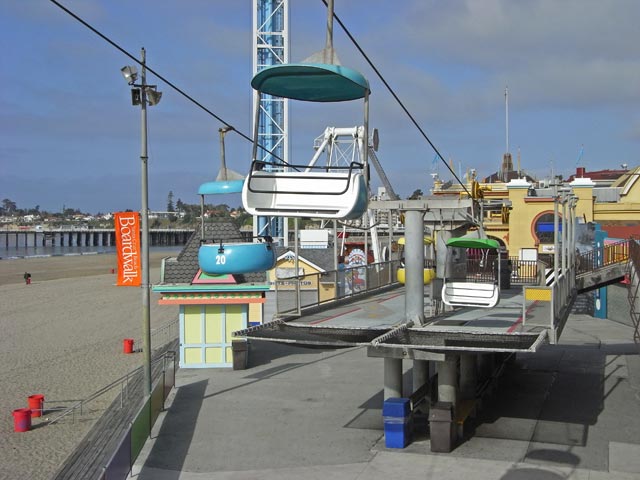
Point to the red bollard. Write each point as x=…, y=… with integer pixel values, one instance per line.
x=128, y=345
x=22, y=420
x=36, y=402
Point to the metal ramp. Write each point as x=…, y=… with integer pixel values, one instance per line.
x=602, y=266
x=633, y=277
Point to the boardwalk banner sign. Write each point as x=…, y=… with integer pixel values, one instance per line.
x=127, y=226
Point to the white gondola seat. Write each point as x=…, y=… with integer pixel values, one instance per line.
x=469, y=294
x=335, y=194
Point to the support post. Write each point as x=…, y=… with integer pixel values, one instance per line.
x=392, y=377
x=146, y=303
x=448, y=379
x=414, y=266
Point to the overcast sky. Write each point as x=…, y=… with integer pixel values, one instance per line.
x=69, y=136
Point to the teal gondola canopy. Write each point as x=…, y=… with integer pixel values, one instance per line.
x=312, y=82
x=217, y=187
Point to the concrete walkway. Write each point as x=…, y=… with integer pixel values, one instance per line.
x=570, y=411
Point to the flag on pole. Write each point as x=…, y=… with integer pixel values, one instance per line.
x=127, y=226
x=434, y=162
x=580, y=153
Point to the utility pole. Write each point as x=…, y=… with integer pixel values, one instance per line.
x=146, y=303
x=141, y=94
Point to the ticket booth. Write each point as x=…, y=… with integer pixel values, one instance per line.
x=211, y=308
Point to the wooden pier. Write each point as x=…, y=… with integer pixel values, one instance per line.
x=86, y=237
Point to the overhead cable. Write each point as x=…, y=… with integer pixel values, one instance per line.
x=382, y=79
x=166, y=81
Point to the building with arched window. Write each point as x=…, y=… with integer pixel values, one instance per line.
x=520, y=213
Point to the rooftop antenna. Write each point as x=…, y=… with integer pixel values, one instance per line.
x=507, y=162
x=506, y=114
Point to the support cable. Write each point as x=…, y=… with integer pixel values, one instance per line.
x=165, y=80
x=393, y=93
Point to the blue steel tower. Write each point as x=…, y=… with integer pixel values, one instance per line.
x=271, y=47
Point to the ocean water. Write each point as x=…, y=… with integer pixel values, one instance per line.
x=9, y=253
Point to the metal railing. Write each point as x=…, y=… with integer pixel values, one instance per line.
x=548, y=306
x=296, y=293
x=164, y=334
x=123, y=383
x=520, y=272
x=524, y=272
x=602, y=257
x=633, y=277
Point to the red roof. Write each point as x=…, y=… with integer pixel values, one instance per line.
x=623, y=232
x=597, y=174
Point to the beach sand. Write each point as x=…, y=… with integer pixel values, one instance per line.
x=62, y=336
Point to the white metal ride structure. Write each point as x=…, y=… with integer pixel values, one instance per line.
x=326, y=191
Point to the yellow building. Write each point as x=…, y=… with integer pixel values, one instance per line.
x=314, y=287
x=519, y=214
x=211, y=308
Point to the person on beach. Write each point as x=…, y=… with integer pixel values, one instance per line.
x=27, y=278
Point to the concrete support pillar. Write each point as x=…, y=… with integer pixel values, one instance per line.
x=414, y=266
x=468, y=376
x=448, y=379
x=420, y=373
x=392, y=378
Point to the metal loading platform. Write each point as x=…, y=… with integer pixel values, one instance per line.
x=311, y=335
x=458, y=341
x=401, y=338
x=457, y=356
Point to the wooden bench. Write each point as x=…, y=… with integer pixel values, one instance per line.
x=468, y=294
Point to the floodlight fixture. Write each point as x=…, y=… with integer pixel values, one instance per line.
x=153, y=96
x=130, y=74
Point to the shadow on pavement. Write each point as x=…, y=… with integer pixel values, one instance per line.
x=171, y=446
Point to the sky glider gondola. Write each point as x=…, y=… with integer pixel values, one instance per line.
x=428, y=273
x=318, y=191
x=236, y=258
x=230, y=258
x=459, y=288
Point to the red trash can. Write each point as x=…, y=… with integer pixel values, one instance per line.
x=36, y=403
x=22, y=420
x=128, y=345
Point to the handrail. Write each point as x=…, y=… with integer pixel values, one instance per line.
x=633, y=276
x=352, y=166
x=602, y=257
x=347, y=283
x=119, y=382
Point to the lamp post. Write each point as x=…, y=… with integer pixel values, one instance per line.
x=141, y=94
